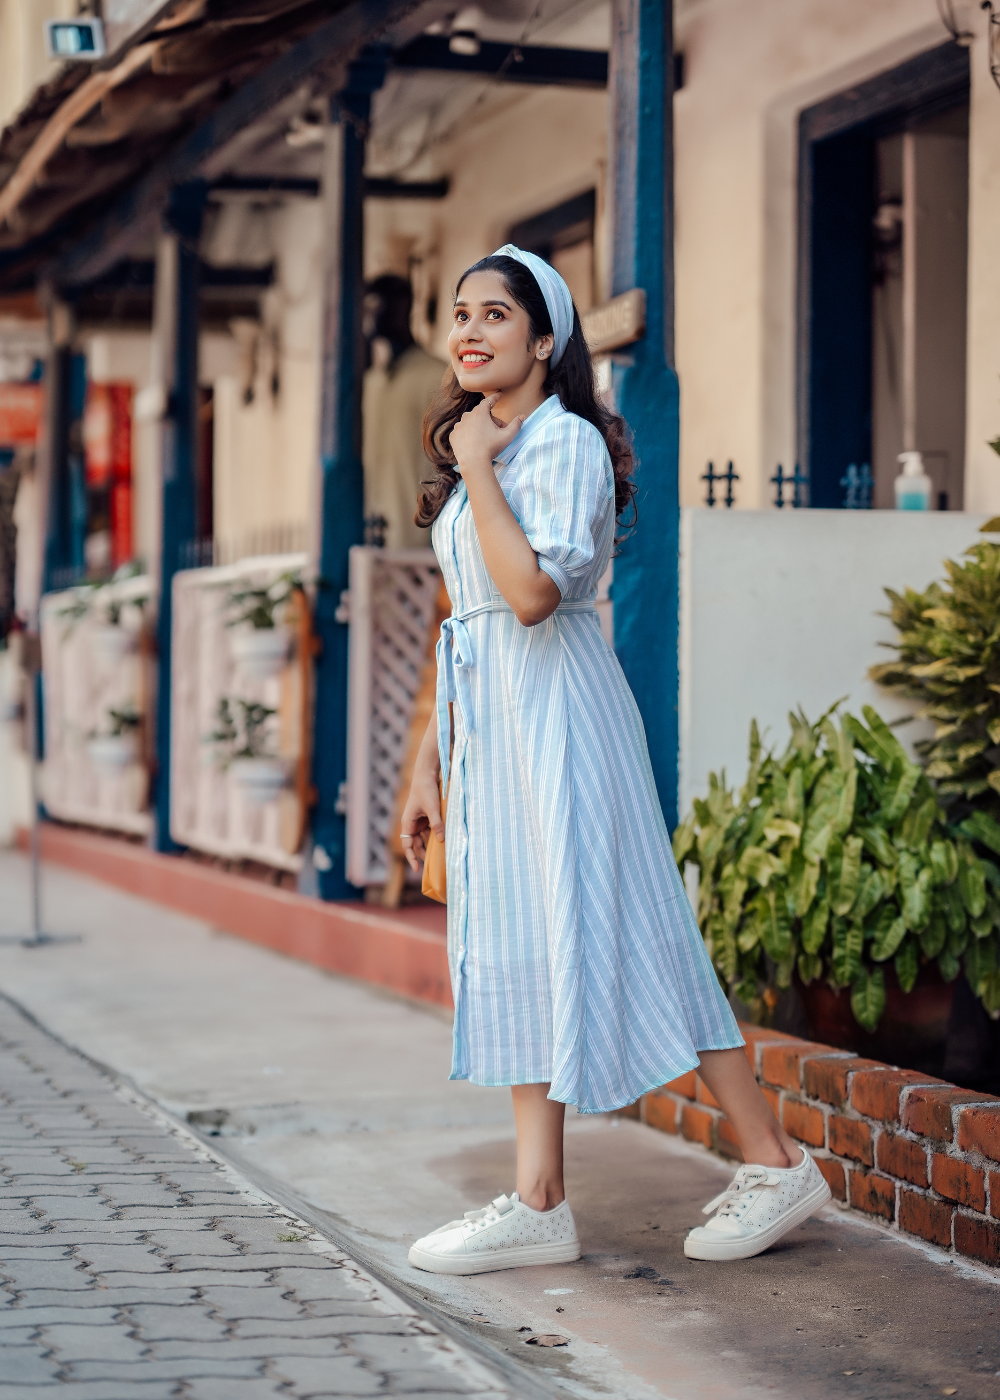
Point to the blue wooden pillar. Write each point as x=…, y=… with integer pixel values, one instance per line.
x=340, y=451
x=645, y=589
x=66, y=508
x=178, y=456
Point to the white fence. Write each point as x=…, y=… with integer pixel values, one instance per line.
x=94, y=668
x=781, y=608
x=391, y=609
x=209, y=810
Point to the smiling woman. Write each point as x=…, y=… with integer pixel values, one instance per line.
x=578, y=972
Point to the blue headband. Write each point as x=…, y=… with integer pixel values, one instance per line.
x=557, y=296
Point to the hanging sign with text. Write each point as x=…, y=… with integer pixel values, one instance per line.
x=615, y=323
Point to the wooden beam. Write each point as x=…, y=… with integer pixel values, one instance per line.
x=55, y=130
x=509, y=63
x=332, y=43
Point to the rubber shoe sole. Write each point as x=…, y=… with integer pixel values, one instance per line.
x=488, y=1262
x=702, y=1248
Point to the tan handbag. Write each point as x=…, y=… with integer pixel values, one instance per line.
x=434, y=884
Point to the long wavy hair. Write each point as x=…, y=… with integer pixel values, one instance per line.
x=572, y=379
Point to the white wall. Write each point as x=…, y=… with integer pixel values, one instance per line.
x=781, y=609
x=751, y=68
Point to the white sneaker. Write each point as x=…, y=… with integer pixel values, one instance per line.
x=758, y=1206
x=503, y=1235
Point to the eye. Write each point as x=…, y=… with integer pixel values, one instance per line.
x=494, y=312
x=461, y=315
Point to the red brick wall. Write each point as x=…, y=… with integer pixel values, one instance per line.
x=921, y=1155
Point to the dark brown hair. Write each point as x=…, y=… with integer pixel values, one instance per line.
x=572, y=379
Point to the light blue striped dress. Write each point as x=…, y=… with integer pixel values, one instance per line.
x=575, y=957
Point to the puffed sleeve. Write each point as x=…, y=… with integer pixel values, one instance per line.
x=562, y=495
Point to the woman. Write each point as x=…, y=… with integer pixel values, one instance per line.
x=578, y=971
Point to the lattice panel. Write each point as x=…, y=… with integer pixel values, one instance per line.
x=208, y=811
x=80, y=685
x=391, y=607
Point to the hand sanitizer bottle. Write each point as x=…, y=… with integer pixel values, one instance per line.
x=913, y=486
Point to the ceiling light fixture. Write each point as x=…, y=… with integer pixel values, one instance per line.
x=465, y=29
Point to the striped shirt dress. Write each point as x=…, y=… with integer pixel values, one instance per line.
x=574, y=954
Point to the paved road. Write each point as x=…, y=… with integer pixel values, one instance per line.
x=136, y=1265
x=341, y=1093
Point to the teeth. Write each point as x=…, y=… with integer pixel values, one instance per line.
x=476, y=359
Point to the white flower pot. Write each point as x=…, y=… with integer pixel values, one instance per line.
x=113, y=752
x=260, y=651
x=259, y=779
x=112, y=642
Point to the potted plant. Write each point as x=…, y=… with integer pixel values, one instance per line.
x=111, y=640
x=241, y=745
x=119, y=745
x=260, y=645
x=835, y=866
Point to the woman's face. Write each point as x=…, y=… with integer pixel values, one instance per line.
x=489, y=340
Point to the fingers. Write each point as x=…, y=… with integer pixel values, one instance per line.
x=489, y=400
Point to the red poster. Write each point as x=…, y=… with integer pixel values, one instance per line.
x=20, y=414
x=107, y=440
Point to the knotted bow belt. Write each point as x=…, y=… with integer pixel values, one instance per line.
x=455, y=660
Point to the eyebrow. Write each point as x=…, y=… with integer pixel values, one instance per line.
x=494, y=301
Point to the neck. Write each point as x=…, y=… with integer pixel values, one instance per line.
x=524, y=399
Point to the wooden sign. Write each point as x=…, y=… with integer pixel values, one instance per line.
x=615, y=323
x=20, y=414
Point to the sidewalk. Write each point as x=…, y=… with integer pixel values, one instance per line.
x=340, y=1093
x=135, y=1264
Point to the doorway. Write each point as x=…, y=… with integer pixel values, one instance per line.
x=883, y=184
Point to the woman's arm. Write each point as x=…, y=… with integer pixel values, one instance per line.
x=513, y=565
x=422, y=812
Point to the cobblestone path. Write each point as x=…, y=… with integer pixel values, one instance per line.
x=135, y=1265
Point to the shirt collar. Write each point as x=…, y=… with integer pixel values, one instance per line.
x=542, y=415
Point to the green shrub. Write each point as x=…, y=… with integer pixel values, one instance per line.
x=833, y=860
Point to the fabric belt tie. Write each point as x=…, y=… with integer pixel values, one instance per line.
x=455, y=660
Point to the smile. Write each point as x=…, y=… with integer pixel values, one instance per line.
x=474, y=357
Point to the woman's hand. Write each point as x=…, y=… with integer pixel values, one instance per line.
x=422, y=812
x=477, y=438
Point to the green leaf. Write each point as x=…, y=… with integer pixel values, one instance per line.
x=980, y=961
x=901, y=795
x=683, y=841
x=871, y=890
x=916, y=886
x=907, y=965
x=949, y=966
x=794, y=805
x=918, y=822
x=868, y=997
x=889, y=745
x=845, y=874
x=760, y=865
x=972, y=883
x=803, y=878
x=724, y=954
x=982, y=827
x=934, y=936
x=749, y=934
x=954, y=908
x=848, y=942
x=845, y=807
x=775, y=925
x=958, y=942
x=944, y=862
x=779, y=829
x=889, y=934
x=814, y=927
x=877, y=843
x=983, y=926
x=990, y=993
x=810, y=967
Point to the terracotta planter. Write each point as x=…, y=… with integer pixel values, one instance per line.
x=911, y=1032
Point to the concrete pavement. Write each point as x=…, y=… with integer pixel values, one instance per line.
x=341, y=1093
x=135, y=1264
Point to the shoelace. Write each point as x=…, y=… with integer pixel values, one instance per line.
x=741, y=1191
x=485, y=1215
